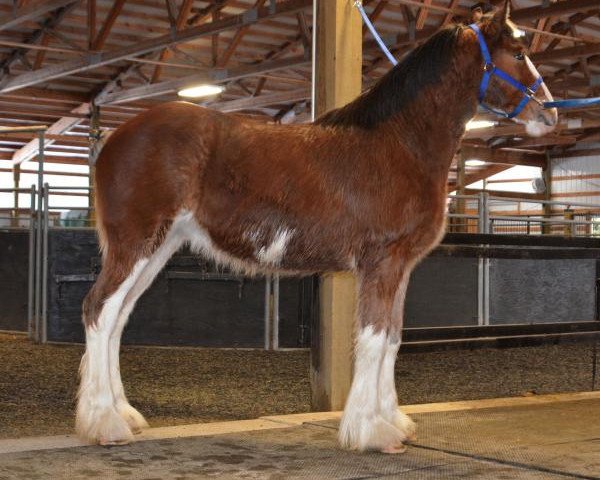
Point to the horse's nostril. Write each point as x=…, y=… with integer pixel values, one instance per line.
x=547, y=119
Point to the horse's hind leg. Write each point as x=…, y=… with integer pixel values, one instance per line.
x=371, y=418
x=103, y=413
x=173, y=240
x=97, y=420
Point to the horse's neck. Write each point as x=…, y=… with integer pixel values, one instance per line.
x=434, y=123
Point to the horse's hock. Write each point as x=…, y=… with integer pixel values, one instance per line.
x=337, y=222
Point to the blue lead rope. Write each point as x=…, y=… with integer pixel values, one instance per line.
x=365, y=17
x=574, y=103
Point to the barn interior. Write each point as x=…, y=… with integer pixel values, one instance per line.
x=506, y=306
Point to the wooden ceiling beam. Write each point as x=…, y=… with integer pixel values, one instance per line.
x=91, y=61
x=30, y=149
x=180, y=22
x=218, y=75
x=505, y=157
x=91, y=22
x=109, y=23
x=261, y=101
x=450, y=15
x=235, y=41
x=47, y=26
x=562, y=53
x=553, y=9
x=32, y=12
x=436, y=8
x=51, y=159
x=422, y=14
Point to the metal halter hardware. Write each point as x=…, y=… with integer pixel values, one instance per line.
x=489, y=70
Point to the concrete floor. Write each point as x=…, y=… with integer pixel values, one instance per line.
x=540, y=437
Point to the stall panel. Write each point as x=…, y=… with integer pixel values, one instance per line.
x=14, y=263
x=442, y=292
x=541, y=291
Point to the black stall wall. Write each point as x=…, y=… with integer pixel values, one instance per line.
x=14, y=267
x=190, y=303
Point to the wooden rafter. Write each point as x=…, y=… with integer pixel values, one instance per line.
x=180, y=23
x=111, y=18
x=41, y=33
x=94, y=61
x=235, y=41
x=91, y=22
x=210, y=76
x=32, y=12
x=422, y=14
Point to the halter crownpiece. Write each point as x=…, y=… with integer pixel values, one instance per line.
x=490, y=70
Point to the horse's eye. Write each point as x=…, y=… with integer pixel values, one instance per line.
x=520, y=56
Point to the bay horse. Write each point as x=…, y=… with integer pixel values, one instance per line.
x=363, y=188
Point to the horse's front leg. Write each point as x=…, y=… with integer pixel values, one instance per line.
x=372, y=420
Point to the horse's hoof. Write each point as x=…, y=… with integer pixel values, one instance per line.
x=393, y=449
x=134, y=419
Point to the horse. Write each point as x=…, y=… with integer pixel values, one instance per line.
x=363, y=188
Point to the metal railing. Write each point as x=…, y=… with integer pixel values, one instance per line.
x=486, y=213
x=36, y=308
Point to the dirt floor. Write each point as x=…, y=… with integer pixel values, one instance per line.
x=173, y=386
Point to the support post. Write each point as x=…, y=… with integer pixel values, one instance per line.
x=94, y=133
x=16, y=179
x=38, y=240
x=547, y=208
x=569, y=215
x=460, y=190
x=337, y=81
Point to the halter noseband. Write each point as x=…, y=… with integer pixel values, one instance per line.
x=489, y=70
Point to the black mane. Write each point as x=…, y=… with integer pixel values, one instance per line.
x=423, y=66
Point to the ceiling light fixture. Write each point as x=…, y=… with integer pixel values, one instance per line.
x=198, y=91
x=477, y=124
x=473, y=162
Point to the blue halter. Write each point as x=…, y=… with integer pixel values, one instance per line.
x=489, y=70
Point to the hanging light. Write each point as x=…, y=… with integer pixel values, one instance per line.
x=198, y=91
x=473, y=162
x=476, y=124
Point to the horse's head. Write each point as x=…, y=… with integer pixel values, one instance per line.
x=514, y=87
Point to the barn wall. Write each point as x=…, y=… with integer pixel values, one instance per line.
x=442, y=292
x=577, y=179
x=190, y=302
x=14, y=262
x=542, y=291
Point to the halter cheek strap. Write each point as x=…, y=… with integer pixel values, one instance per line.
x=490, y=70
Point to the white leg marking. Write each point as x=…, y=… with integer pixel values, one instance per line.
x=97, y=420
x=388, y=398
x=363, y=425
x=173, y=240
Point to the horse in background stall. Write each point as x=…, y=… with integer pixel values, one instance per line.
x=361, y=189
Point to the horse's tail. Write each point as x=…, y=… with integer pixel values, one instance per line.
x=97, y=146
x=95, y=149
